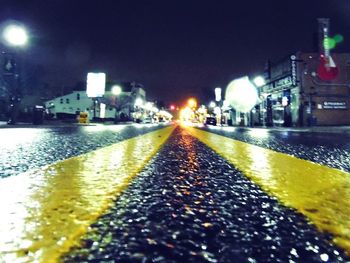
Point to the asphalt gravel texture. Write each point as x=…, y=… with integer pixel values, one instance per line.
x=190, y=205
x=28, y=148
x=331, y=149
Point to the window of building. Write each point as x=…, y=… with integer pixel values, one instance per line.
x=78, y=96
x=61, y=101
x=67, y=101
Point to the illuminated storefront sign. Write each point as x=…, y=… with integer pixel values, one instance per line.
x=334, y=105
x=293, y=70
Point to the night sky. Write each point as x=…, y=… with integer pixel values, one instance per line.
x=174, y=48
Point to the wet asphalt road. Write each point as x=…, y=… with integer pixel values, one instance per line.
x=190, y=205
x=27, y=148
x=331, y=149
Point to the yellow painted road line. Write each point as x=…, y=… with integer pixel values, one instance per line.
x=45, y=211
x=319, y=192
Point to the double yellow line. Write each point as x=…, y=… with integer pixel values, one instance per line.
x=45, y=211
x=319, y=192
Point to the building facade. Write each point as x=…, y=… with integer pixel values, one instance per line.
x=110, y=106
x=295, y=95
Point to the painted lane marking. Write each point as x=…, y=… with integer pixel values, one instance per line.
x=319, y=192
x=45, y=211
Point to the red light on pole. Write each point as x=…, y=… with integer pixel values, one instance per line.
x=172, y=107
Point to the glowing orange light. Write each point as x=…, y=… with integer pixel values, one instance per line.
x=192, y=102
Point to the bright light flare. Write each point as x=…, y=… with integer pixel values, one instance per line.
x=15, y=35
x=186, y=114
x=149, y=106
x=138, y=102
x=192, y=102
x=241, y=94
x=116, y=90
x=95, y=84
x=259, y=81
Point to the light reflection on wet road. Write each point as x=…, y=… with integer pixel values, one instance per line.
x=189, y=204
x=331, y=149
x=27, y=148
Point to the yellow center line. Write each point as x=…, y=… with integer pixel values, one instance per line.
x=45, y=211
x=319, y=192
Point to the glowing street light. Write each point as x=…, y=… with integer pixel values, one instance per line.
x=15, y=35
x=241, y=94
x=116, y=90
x=192, y=102
x=138, y=102
x=149, y=106
x=212, y=104
x=259, y=81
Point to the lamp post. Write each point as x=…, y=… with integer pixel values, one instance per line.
x=14, y=35
x=138, y=106
x=259, y=82
x=116, y=91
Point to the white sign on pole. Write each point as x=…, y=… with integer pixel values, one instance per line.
x=96, y=83
x=218, y=94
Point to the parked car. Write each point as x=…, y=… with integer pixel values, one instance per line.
x=147, y=120
x=210, y=121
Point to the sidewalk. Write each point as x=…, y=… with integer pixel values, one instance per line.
x=59, y=123
x=55, y=123
x=324, y=129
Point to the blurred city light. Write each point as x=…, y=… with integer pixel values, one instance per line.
x=241, y=94
x=338, y=38
x=259, y=81
x=186, y=114
x=172, y=107
x=225, y=105
x=217, y=110
x=329, y=43
x=15, y=35
x=138, y=102
x=212, y=104
x=95, y=84
x=149, y=106
x=116, y=90
x=192, y=102
x=218, y=94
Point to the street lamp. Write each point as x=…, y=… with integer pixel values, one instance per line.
x=116, y=90
x=13, y=35
x=259, y=81
x=138, y=102
x=212, y=104
x=192, y=103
